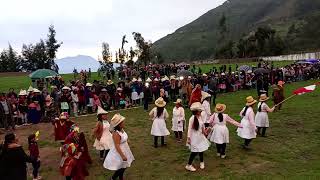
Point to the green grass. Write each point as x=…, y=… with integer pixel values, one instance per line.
x=23, y=82
x=207, y=67
x=291, y=150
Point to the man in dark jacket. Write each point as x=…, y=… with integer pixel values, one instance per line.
x=6, y=114
x=212, y=88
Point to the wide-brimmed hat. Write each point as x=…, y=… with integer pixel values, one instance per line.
x=148, y=80
x=160, y=102
x=281, y=83
x=115, y=121
x=223, y=74
x=166, y=78
x=66, y=88
x=30, y=89
x=250, y=101
x=263, y=97
x=88, y=85
x=204, y=75
x=103, y=90
x=35, y=90
x=172, y=77
x=119, y=89
x=156, y=79
x=178, y=101
x=204, y=95
x=110, y=82
x=220, y=108
x=101, y=111
x=134, y=79
x=139, y=80
x=22, y=93
x=196, y=106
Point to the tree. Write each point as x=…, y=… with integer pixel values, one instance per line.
x=9, y=60
x=106, y=55
x=52, y=47
x=223, y=26
x=144, y=48
x=35, y=57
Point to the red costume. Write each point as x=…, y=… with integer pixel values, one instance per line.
x=195, y=95
x=60, y=130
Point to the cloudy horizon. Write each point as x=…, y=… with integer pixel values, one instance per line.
x=83, y=25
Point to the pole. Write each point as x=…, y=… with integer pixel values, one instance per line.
x=285, y=100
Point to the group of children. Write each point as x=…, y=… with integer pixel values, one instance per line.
x=205, y=127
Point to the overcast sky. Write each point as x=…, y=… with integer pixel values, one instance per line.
x=83, y=25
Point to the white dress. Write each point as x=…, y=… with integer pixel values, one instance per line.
x=106, y=141
x=113, y=160
x=134, y=96
x=262, y=119
x=248, y=130
x=199, y=142
x=220, y=134
x=159, y=127
x=207, y=112
x=178, y=118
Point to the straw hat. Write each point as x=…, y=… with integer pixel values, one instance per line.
x=134, y=79
x=196, y=107
x=163, y=79
x=263, y=97
x=30, y=89
x=139, y=80
x=101, y=111
x=220, y=108
x=204, y=75
x=22, y=93
x=179, y=101
x=189, y=77
x=35, y=90
x=160, y=102
x=88, y=85
x=223, y=74
x=156, y=79
x=166, y=78
x=115, y=121
x=204, y=95
x=250, y=101
x=66, y=88
x=281, y=83
x=103, y=90
x=172, y=77
x=148, y=80
x=109, y=82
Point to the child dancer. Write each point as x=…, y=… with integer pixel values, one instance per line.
x=178, y=118
x=220, y=134
x=34, y=154
x=262, y=119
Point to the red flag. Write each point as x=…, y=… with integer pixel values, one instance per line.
x=303, y=90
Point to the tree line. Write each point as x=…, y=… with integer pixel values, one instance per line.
x=40, y=55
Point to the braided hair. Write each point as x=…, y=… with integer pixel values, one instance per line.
x=195, y=124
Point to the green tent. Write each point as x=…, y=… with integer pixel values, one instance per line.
x=42, y=74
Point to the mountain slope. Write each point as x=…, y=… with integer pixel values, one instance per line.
x=200, y=38
x=80, y=62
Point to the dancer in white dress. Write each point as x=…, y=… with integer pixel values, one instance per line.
x=103, y=141
x=197, y=141
x=248, y=130
x=206, y=113
x=220, y=134
x=262, y=119
x=159, y=115
x=120, y=156
x=178, y=120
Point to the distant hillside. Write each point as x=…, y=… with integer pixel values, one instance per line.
x=80, y=62
x=202, y=37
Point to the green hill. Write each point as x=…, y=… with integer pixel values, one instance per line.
x=201, y=38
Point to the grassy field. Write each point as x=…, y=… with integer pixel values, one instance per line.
x=291, y=150
x=23, y=82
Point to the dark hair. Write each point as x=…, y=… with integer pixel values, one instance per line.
x=117, y=128
x=220, y=116
x=159, y=111
x=195, y=124
x=8, y=139
x=259, y=109
x=245, y=111
x=32, y=136
x=100, y=117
